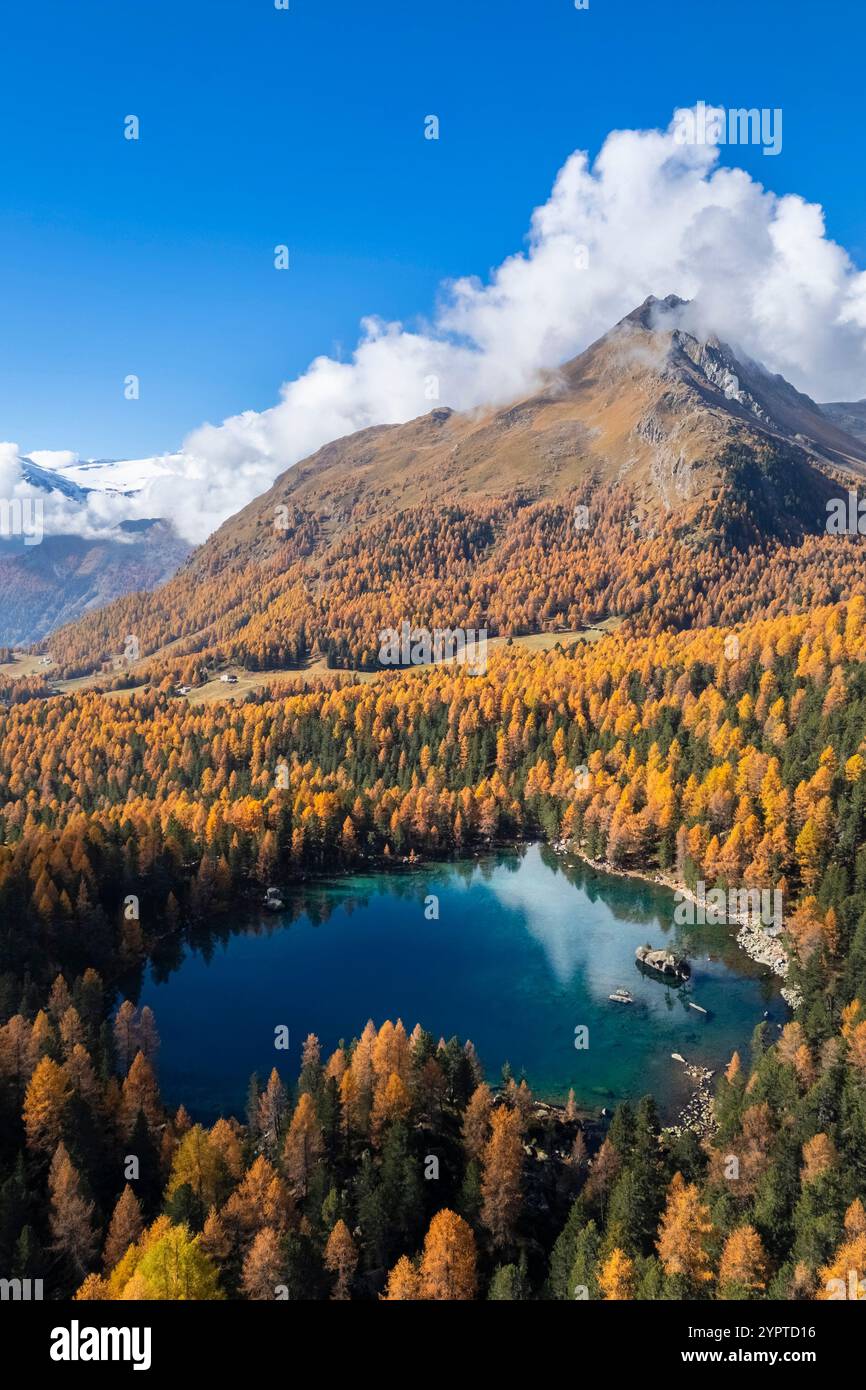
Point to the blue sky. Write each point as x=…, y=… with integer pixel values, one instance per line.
x=261, y=126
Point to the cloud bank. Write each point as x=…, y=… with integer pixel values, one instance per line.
x=650, y=216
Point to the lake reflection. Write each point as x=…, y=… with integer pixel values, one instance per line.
x=524, y=951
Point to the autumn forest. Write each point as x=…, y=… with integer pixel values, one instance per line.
x=733, y=755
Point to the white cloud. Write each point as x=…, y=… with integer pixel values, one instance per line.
x=53, y=458
x=98, y=515
x=653, y=216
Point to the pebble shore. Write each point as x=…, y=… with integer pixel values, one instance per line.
x=698, y=1113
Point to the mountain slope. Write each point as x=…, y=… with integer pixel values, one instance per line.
x=849, y=416
x=646, y=405
x=45, y=585
x=681, y=454
x=50, y=579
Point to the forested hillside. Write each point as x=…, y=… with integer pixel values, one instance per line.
x=718, y=737
x=737, y=752
x=737, y=756
x=511, y=567
x=655, y=477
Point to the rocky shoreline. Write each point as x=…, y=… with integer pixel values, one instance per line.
x=698, y=1113
x=753, y=939
x=759, y=945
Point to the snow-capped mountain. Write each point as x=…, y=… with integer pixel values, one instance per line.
x=123, y=476
x=76, y=548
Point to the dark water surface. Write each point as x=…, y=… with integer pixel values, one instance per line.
x=525, y=950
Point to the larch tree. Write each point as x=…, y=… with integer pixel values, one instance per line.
x=45, y=1101
x=140, y=1092
x=304, y=1145
x=683, y=1233
x=603, y=1174
x=855, y=1219
x=124, y=1228
x=617, y=1276
x=262, y=1266
x=476, y=1122
x=148, y=1034
x=127, y=1034
x=197, y=1163
x=447, y=1269
x=93, y=1288
x=271, y=1119
x=311, y=1075
x=341, y=1258
x=819, y=1157
x=391, y=1102
x=501, y=1176
x=404, y=1283
x=743, y=1266
x=215, y=1239
x=71, y=1031
x=351, y=1114
x=845, y=1276
x=174, y=1267
x=226, y=1141
x=182, y=1120
x=260, y=1199
x=71, y=1215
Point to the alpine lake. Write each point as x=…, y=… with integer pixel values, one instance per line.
x=518, y=950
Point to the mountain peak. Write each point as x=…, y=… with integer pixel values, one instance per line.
x=647, y=315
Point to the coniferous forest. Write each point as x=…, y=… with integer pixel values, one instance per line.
x=432, y=680
x=739, y=764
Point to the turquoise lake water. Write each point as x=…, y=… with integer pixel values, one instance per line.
x=526, y=948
